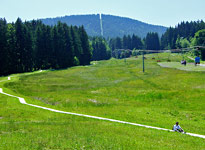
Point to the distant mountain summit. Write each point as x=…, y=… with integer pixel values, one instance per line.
x=108, y=25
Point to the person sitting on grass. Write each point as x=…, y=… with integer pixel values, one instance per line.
x=197, y=60
x=177, y=128
x=183, y=62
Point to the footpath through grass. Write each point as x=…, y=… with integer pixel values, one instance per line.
x=113, y=89
x=177, y=65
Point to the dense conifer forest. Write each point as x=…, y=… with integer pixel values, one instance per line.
x=29, y=46
x=182, y=36
x=183, y=31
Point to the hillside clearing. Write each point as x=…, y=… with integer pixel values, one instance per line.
x=151, y=98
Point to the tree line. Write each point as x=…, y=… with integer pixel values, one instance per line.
x=182, y=35
x=100, y=48
x=30, y=46
x=127, y=42
x=151, y=42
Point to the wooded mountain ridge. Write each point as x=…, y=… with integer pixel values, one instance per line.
x=112, y=26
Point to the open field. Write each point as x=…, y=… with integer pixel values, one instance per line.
x=113, y=89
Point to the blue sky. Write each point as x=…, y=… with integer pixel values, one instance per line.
x=158, y=12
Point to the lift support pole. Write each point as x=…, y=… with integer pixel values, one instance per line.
x=143, y=60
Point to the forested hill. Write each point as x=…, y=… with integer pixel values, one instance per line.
x=113, y=26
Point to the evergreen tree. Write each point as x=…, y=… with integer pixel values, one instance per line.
x=86, y=54
x=76, y=43
x=39, y=49
x=152, y=41
x=100, y=49
x=12, y=51
x=27, y=57
x=69, y=48
x=129, y=42
x=44, y=48
x=118, y=43
x=3, y=47
x=183, y=30
x=55, y=44
x=62, y=51
x=32, y=45
x=112, y=44
x=20, y=45
x=48, y=49
x=125, y=42
x=136, y=42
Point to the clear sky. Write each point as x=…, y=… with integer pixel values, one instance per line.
x=158, y=12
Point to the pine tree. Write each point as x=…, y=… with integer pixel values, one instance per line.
x=32, y=45
x=118, y=43
x=112, y=44
x=3, y=48
x=44, y=50
x=136, y=42
x=125, y=42
x=38, y=49
x=69, y=48
x=183, y=30
x=55, y=44
x=86, y=54
x=13, y=55
x=76, y=43
x=129, y=42
x=152, y=41
x=61, y=55
x=100, y=49
x=27, y=57
x=20, y=45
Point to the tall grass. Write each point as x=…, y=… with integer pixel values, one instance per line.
x=114, y=89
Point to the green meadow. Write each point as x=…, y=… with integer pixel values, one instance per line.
x=116, y=89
